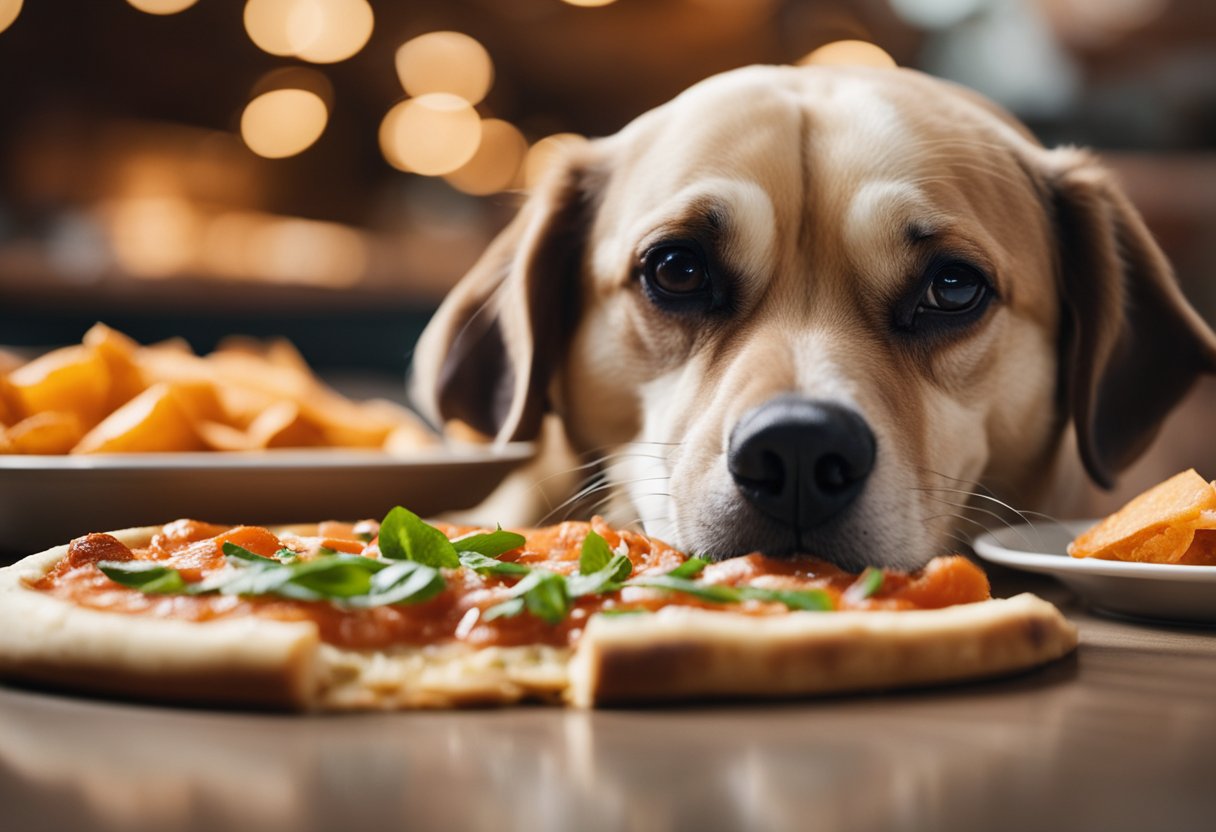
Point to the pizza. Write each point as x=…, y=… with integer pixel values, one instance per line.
x=406, y=614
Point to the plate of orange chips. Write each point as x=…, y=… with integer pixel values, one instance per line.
x=110, y=433
x=1153, y=558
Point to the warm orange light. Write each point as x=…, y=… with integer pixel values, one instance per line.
x=320, y=31
x=253, y=246
x=162, y=6
x=589, y=3
x=153, y=236
x=542, y=154
x=433, y=134
x=283, y=122
x=9, y=9
x=495, y=165
x=848, y=53
x=445, y=62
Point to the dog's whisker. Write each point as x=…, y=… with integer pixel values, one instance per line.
x=1004, y=522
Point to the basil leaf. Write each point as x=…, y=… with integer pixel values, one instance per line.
x=405, y=536
x=716, y=593
x=540, y=592
x=491, y=566
x=595, y=554
x=490, y=544
x=619, y=613
x=405, y=582
x=690, y=568
x=869, y=583
x=812, y=600
x=507, y=609
x=335, y=576
x=549, y=600
x=232, y=550
x=286, y=555
x=146, y=576
x=607, y=579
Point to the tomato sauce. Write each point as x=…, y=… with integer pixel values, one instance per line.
x=456, y=614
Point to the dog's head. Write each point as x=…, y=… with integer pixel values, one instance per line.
x=807, y=309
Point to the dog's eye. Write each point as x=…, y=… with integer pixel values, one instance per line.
x=676, y=270
x=955, y=288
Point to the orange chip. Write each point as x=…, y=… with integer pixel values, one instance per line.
x=69, y=380
x=1156, y=526
x=162, y=418
x=118, y=352
x=1202, y=551
x=50, y=432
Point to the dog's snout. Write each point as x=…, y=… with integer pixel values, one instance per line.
x=799, y=460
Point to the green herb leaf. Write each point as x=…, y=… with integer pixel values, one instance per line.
x=405, y=582
x=690, y=568
x=607, y=579
x=405, y=536
x=286, y=555
x=366, y=537
x=716, y=593
x=491, y=566
x=540, y=592
x=815, y=600
x=812, y=600
x=614, y=613
x=595, y=554
x=232, y=550
x=866, y=585
x=490, y=544
x=507, y=609
x=335, y=576
x=548, y=600
x=146, y=576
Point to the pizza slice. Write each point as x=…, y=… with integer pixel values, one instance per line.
x=405, y=614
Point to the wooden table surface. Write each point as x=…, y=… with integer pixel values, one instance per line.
x=1122, y=736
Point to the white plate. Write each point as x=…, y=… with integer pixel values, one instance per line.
x=1183, y=594
x=47, y=500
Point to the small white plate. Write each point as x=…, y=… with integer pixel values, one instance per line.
x=1166, y=592
x=48, y=500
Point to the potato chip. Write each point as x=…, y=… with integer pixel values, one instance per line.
x=111, y=395
x=118, y=352
x=1202, y=551
x=162, y=418
x=69, y=380
x=1157, y=526
x=50, y=432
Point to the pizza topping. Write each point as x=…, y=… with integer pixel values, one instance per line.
x=506, y=588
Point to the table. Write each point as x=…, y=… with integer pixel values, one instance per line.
x=1122, y=736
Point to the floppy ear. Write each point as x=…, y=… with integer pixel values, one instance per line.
x=1132, y=346
x=487, y=355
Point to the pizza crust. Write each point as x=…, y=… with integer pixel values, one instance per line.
x=678, y=653
x=685, y=653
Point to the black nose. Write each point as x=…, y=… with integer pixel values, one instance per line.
x=801, y=461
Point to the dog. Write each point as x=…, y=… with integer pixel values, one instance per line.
x=809, y=309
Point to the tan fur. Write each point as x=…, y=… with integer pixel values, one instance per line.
x=814, y=179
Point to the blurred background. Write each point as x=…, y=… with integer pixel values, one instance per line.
x=327, y=169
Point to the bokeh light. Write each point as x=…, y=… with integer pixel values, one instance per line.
x=848, y=53
x=545, y=152
x=283, y=122
x=153, y=236
x=445, y=62
x=320, y=31
x=246, y=245
x=162, y=6
x=496, y=164
x=589, y=3
x=9, y=9
x=433, y=134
